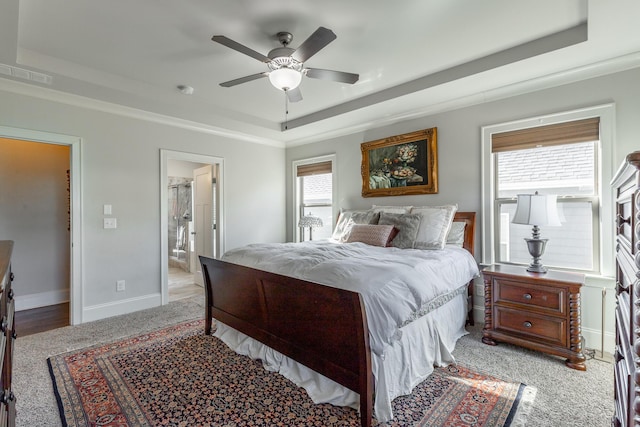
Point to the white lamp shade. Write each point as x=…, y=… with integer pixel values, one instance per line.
x=537, y=209
x=310, y=221
x=285, y=78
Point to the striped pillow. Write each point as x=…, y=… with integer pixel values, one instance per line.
x=374, y=235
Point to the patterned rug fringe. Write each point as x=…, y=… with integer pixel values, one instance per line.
x=520, y=412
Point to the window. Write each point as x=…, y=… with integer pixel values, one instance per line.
x=314, y=183
x=564, y=157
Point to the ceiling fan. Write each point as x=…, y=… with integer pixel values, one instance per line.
x=286, y=65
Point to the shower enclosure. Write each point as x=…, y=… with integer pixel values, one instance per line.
x=180, y=224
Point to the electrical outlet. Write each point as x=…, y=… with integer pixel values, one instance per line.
x=110, y=223
x=120, y=286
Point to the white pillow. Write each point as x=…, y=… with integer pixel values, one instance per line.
x=434, y=226
x=392, y=209
x=456, y=234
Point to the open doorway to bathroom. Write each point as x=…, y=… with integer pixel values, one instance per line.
x=191, y=220
x=180, y=233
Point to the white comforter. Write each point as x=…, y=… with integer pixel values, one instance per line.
x=397, y=285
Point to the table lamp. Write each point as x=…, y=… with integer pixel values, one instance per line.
x=537, y=210
x=309, y=221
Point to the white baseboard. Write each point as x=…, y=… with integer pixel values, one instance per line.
x=42, y=299
x=593, y=340
x=116, y=308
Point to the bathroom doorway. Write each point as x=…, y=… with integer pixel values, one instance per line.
x=191, y=220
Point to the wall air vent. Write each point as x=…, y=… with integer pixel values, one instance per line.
x=21, y=73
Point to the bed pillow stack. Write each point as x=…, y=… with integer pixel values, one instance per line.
x=419, y=227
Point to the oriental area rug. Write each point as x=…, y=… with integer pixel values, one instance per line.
x=178, y=376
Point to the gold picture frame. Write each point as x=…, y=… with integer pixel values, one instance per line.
x=401, y=165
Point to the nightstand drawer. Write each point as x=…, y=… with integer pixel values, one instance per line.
x=547, y=298
x=537, y=327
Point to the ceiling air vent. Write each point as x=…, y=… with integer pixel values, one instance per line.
x=21, y=73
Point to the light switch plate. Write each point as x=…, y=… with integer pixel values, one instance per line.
x=110, y=223
x=106, y=210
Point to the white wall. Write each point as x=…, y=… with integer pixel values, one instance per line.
x=459, y=160
x=121, y=167
x=182, y=168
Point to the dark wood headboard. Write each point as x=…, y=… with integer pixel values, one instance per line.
x=469, y=218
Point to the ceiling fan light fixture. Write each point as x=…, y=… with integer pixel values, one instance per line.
x=285, y=78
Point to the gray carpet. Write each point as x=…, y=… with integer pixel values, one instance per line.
x=565, y=397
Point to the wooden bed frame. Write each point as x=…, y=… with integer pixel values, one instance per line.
x=322, y=327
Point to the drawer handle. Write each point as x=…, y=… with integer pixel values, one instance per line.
x=620, y=288
x=7, y=396
x=527, y=297
x=527, y=324
x=620, y=220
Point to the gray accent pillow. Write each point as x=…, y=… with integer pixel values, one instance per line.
x=407, y=225
x=346, y=218
x=366, y=217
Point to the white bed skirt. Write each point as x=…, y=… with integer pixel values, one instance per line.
x=425, y=343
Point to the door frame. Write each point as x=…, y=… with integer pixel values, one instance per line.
x=165, y=156
x=76, y=285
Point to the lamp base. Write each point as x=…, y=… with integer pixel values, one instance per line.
x=533, y=268
x=536, y=249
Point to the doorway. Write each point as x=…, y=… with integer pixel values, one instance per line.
x=191, y=219
x=69, y=288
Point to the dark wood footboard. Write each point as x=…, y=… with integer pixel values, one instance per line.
x=322, y=327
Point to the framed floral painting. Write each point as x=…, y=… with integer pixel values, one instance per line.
x=401, y=165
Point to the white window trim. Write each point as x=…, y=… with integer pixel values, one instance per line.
x=606, y=112
x=296, y=193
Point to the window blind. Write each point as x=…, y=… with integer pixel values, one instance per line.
x=585, y=130
x=313, y=169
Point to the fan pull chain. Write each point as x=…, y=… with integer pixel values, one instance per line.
x=286, y=110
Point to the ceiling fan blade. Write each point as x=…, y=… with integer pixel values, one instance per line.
x=316, y=41
x=336, y=76
x=244, y=79
x=240, y=48
x=294, y=95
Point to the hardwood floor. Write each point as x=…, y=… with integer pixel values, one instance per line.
x=182, y=285
x=41, y=319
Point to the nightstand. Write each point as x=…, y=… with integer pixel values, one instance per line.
x=539, y=311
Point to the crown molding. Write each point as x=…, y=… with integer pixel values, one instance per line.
x=589, y=71
x=53, y=95
x=610, y=66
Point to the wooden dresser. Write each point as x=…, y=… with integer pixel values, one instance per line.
x=627, y=354
x=540, y=311
x=7, y=337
